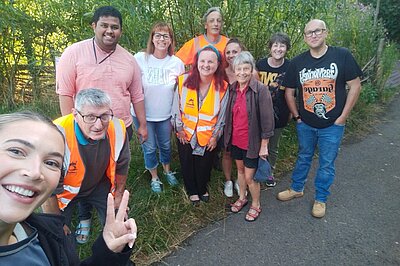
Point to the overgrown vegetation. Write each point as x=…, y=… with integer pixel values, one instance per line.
x=34, y=32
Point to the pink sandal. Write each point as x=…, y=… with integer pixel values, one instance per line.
x=238, y=205
x=252, y=214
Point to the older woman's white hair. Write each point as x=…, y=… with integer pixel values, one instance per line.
x=244, y=57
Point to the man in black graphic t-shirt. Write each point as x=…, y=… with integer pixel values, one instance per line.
x=320, y=75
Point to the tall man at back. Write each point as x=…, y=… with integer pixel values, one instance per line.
x=320, y=75
x=100, y=62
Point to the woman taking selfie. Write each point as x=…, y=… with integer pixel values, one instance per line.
x=30, y=170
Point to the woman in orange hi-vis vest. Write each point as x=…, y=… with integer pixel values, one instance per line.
x=213, y=22
x=198, y=115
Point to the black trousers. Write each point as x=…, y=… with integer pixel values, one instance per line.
x=196, y=170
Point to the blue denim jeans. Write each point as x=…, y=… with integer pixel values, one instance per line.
x=158, y=136
x=328, y=141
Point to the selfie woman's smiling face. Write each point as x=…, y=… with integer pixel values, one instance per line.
x=31, y=156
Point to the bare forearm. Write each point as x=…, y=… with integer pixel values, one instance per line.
x=51, y=206
x=352, y=96
x=120, y=183
x=291, y=101
x=140, y=113
x=66, y=104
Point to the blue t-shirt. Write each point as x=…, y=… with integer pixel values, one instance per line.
x=25, y=252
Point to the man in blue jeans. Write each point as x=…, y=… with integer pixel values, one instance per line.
x=320, y=75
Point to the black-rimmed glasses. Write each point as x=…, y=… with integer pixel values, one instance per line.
x=158, y=36
x=91, y=119
x=317, y=32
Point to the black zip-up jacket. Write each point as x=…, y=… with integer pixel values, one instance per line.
x=61, y=251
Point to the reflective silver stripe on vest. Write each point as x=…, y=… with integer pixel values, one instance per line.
x=191, y=131
x=119, y=138
x=190, y=117
x=67, y=153
x=183, y=96
x=204, y=128
x=64, y=201
x=217, y=102
x=206, y=117
x=73, y=190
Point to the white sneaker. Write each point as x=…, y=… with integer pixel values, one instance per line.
x=237, y=188
x=228, y=189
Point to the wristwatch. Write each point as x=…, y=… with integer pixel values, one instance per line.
x=296, y=118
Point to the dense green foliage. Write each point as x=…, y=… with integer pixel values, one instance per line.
x=34, y=32
x=389, y=12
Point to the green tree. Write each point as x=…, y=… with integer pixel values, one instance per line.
x=389, y=12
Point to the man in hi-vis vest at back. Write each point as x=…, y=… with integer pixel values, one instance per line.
x=96, y=159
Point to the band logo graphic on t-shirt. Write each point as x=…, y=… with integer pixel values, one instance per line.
x=319, y=90
x=267, y=77
x=273, y=80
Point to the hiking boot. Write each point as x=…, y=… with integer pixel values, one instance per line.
x=289, y=194
x=171, y=179
x=270, y=181
x=156, y=186
x=319, y=209
x=228, y=189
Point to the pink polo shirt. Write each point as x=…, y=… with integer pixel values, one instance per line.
x=118, y=75
x=240, y=120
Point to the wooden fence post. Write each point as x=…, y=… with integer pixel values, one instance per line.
x=379, y=85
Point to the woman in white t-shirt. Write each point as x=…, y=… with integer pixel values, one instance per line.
x=159, y=68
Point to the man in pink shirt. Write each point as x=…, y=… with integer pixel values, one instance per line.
x=100, y=62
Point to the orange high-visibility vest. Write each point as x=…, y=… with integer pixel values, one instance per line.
x=191, y=47
x=203, y=120
x=73, y=164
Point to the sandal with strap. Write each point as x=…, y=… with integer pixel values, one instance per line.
x=82, y=232
x=252, y=214
x=238, y=205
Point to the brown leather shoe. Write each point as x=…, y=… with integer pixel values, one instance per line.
x=289, y=194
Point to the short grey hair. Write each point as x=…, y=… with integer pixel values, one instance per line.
x=210, y=10
x=244, y=57
x=93, y=97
